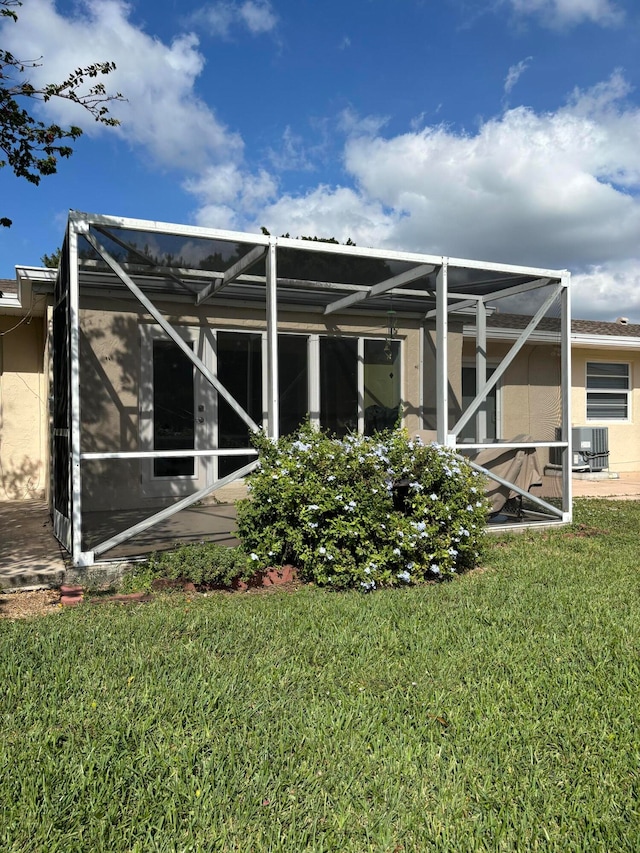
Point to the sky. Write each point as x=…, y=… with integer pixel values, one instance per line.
x=496, y=130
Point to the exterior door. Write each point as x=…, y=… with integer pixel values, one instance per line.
x=177, y=412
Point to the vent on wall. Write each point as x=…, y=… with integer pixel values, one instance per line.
x=590, y=449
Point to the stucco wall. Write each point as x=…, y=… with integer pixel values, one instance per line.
x=624, y=437
x=23, y=410
x=530, y=395
x=110, y=380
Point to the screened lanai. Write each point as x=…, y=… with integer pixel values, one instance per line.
x=171, y=344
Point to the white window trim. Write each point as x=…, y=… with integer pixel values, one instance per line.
x=587, y=391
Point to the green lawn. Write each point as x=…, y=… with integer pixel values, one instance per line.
x=497, y=712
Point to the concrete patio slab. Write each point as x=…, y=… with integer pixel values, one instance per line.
x=624, y=487
x=30, y=555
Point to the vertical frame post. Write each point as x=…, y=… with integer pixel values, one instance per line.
x=74, y=335
x=442, y=360
x=481, y=368
x=273, y=413
x=314, y=380
x=565, y=348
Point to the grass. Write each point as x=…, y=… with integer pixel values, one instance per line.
x=497, y=712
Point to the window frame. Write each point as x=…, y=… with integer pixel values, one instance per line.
x=595, y=392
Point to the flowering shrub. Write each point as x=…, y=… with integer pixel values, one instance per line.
x=360, y=511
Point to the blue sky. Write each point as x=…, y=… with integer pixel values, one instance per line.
x=503, y=130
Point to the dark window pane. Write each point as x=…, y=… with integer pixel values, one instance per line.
x=293, y=381
x=381, y=385
x=468, y=432
x=339, y=385
x=605, y=376
x=240, y=371
x=173, y=409
x=605, y=407
x=605, y=382
x=595, y=368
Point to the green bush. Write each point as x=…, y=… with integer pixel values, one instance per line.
x=333, y=508
x=203, y=563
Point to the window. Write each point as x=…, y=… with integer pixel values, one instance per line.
x=173, y=409
x=490, y=406
x=359, y=385
x=607, y=391
x=239, y=357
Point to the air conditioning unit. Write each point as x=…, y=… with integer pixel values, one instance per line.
x=590, y=448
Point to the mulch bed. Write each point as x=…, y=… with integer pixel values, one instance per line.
x=23, y=604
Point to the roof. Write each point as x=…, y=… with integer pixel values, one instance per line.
x=8, y=285
x=578, y=327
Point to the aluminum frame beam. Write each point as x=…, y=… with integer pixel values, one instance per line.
x=167, y=273
x=512, y=486
x=235, y=271
x=442, y=356
x=143, y=525
x=382, y=287
x=171, y=333
x=506, y=361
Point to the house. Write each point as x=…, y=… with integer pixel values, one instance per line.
x=158, y=348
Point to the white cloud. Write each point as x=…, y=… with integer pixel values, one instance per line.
x=228, y=194
x=562, y=13
x=258, y=17
x=558, y=189
x=514, y=73
x=292, y=155
x=163, y=113
x=220, y=18
x=329, y=212
x=608, y=291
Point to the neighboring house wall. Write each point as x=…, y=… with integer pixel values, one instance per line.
x=23, y=410
x=624, y=434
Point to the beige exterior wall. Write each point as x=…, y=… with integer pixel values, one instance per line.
x=529, y=392
x=23, y=409
x=624, y=436
x=110, y=348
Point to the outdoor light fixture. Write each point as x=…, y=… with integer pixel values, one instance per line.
x=391, y=333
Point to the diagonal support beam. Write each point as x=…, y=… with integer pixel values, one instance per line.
x=382, y=287
x=506, y=361
x=171, y=332
x=454, y=306
x=514, y=488
x=146, y=523
x=516, y=289
x=235, y=271
x=144, y=259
